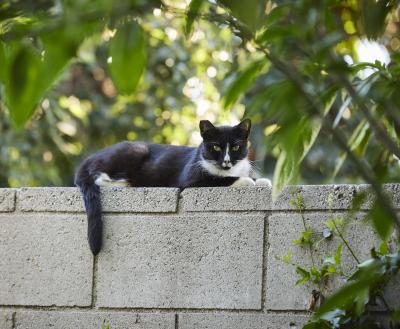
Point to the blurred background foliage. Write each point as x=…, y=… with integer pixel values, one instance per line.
x=83, y=112
x=184, y=81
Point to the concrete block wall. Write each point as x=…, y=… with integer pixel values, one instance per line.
x=202, y=258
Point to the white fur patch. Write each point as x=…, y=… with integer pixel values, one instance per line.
x=243, y=181
x=104, y=180
x=263, y=182
x=227, y=158
x=240, y=169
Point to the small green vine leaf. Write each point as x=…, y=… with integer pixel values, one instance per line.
x=305, y=275
x=338, y=254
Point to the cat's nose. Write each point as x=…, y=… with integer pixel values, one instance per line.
x=227, y=164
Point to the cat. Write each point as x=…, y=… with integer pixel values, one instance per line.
x=220, y=160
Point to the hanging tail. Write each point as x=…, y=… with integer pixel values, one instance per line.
x=91, y=196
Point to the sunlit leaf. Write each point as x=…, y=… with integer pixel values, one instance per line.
x=128, y=57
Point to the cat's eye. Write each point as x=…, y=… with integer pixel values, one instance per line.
x=217, y=148
x=235, y=148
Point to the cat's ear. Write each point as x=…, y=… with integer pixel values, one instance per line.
x=206, y=127
x=244, y=128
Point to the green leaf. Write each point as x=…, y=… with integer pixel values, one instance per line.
x=25, y=83
x=295, y=138
x=32, y=71
x=381, y=220
x=339, y=222
x=305, y=238
x=361, y=300
x=304, y=274
x=3, y=62
x=318, y=324
x=384, y=248
x=275, y=34
x=358, y=142
x=373, y=16
x=343, y=297
x=250, y=12
x=286, y=170
x=243, y=81
x=338, y=254
x=194, y=9
x=60, y=47
x=367, y=275
x=333, y=317
x=297, y=202
x=276, y=14
x=128, y=53
x=330, y=224
x=288, y=257
x=299, y=142
x=396, y=314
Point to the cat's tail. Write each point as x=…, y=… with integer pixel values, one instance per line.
x=91, y=197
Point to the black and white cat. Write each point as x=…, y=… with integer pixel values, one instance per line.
x=220, y=160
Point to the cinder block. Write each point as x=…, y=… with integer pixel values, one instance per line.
x=332, y=197
x=315, y=197
x=241, y=321
x=6, y=319
x=226, y=198
x=140, y=199
x=50, y=199
x=7, y=199
x=181, y=262
x=281, y=291
x=44, y=260
x=69, y=199
x=92, y=320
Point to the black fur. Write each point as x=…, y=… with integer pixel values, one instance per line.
x=155, y=165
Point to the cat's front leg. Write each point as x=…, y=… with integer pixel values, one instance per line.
x=259, y=181
x=263, y=182
x=243, y=181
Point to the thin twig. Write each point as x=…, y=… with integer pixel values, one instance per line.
x=345, y=242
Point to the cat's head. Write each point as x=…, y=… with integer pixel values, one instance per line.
x=224, y=146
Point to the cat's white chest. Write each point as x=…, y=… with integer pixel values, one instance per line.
x=241, y=169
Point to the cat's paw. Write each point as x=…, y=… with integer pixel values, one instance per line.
x=243, y=181
x=263, y=182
